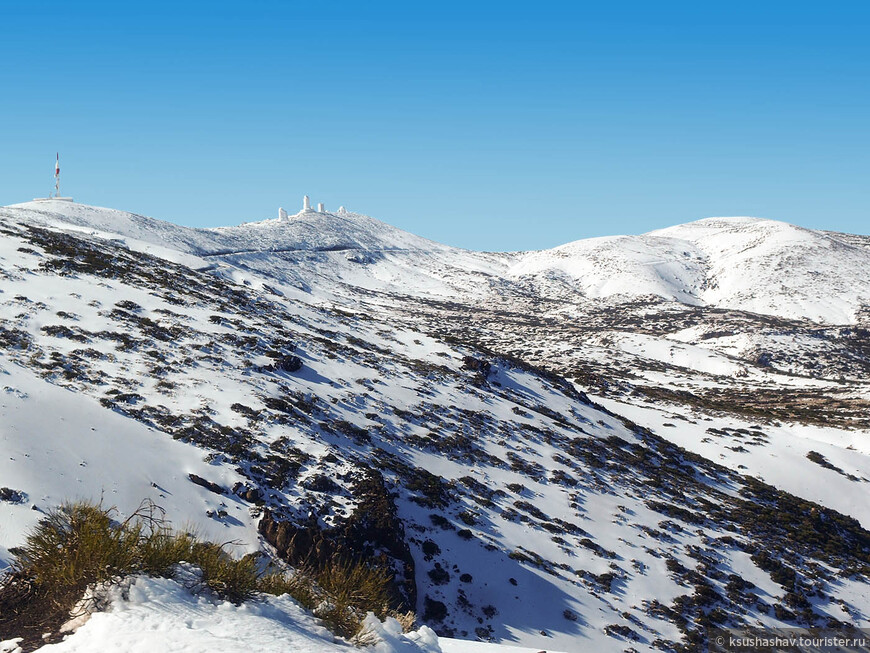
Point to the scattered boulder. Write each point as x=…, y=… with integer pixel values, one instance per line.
x=621, y=631
x=284, y=363
x=482, y=367
x=439, y=575
x=359, y=257
x=289, y=363
x=359, y=434
x=208, y=485
x=249, y=494
x=430, y=550
x=12, y=496
x=320, y=483
x=272, y=291
x=433, y=610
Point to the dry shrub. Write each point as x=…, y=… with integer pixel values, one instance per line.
x=340, y=592
x=81, y=545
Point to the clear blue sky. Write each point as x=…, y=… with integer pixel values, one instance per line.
x=489, y=125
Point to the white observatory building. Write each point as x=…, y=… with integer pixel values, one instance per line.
x=306, y=210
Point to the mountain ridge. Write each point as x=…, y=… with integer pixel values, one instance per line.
x=733, y=263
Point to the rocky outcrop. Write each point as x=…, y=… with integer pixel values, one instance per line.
x=320, y=483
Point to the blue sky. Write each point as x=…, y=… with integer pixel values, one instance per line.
x=488, y=125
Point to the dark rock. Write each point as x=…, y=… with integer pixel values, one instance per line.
x=349, y=429
x=441, y=521
x=430, y=549
x=247, y=411
x=272, y=291
x=208, y=485
x=359, y=257
x=621, y=631
x=129, y=305
x=249, y=494
x=433, y=610
x=482, y=367
x=320, y=483
x=284, y=363
x=12, y=496
x=289, y=363
x=439, y=575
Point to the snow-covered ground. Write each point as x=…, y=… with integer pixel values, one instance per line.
x=776, y=454
x=60, y=445
x=159, y=614
x=750, y=264
x=763, y=266
x=536, y=517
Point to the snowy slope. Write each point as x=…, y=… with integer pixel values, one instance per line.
x=305, y=250
x=532, y=516
x=776, y=268
x=306, y=231
x=115, y=223
x=775, y=453
x=96, y=318
x=321, y=231
x=60, y=445
x=622, y=266
x=748, y=264
x=158, y=614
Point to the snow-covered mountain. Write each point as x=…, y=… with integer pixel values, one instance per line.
x=748, y=264
x=327, y=370
x=307, y=230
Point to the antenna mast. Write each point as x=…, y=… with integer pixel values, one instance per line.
x=56, y=195
x=57, y=176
